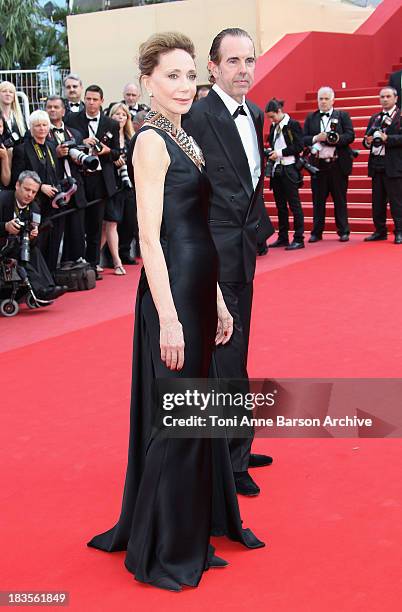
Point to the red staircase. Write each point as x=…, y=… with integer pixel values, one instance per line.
x=360, y=104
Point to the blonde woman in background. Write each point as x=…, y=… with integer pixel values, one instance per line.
x=115, y=206
x=11, y=110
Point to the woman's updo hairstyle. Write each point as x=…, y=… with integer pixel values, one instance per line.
x=157, y=45
x=274, y=106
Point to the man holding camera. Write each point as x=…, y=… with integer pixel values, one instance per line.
x=65, y=140
x=18, y=211
x=384, y=139
x=101, y=135
x=328, y=133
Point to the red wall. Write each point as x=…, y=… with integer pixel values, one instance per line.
x=304, y=62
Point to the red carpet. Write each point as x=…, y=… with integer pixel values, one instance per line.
x=330, y=510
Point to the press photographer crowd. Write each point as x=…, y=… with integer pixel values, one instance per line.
x=67, y=203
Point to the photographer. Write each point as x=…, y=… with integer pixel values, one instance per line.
x=286, y=143
x=5, y=158
x=102, y=135
x=120, y=209
x=131, y=95
x=38, y=154
x=73, y=88
x=74, y=224
x=14, y=122
x=384, y=139
x=17, y=208
x=329, y=132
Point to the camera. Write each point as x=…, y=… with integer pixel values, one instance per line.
x=98, y=144
x=380, y=127
x=11, y=141
x=304, y=163
x=65, y=190
x=123, y=172
x=26, y=225
x=333, y=136
x=78, y=153
x=270, y=164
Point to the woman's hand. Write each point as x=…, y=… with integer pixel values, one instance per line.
x=225, y=323
x=172, y=345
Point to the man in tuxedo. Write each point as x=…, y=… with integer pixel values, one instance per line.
x=74, y=223
x=21, y=204
x=131, y=96
x=385, y=165
x=228, y=128
x=334, y=160
x=395, y=81
x=101, y=134
x=73, y=92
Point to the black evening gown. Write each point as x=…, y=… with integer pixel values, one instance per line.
x=177, y=491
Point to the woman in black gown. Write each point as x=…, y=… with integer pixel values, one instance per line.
x=177, y=491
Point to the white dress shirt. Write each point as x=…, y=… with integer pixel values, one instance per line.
x=381, y=150
x=92, y=130
x=325, y=151
x=280, y=143
x=247, y=133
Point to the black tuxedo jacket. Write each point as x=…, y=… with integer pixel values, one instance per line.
x=393, y=146
x=70, y=112
x=293, y=136
x=79, y=196
x=237, y=211
x=7, y=207
x=79, y=121
x=395, y=81
x=312, y=126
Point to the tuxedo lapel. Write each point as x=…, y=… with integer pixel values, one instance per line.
x=225, y=130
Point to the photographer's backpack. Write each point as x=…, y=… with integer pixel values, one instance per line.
x=76, y=276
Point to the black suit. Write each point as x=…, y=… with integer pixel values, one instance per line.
x=395, y=82
x=37, y=270
x=286, y=184
x=69, y=112
x=26, y=158
x=333, y=177
x=386, y=173
x=99, y=184
x=235, y=212
x=74, y=223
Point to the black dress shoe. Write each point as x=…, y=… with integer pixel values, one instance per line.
x=215, y=561
x=262, y=249
x=375, y=236
x=280, y=242
x=314, y=238
x=129, y=261
x=245, y=485
x=52, y=293
x=344, y=238
x=259, y=460
x=398, y=238
x=294, y=245
x=98, y=275
x=166, y=583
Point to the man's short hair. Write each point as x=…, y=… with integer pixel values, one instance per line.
x=55, y=97
x=326, y=89
x=29, y=174
x=73, y=76
x=390, y=89
x=95, y=89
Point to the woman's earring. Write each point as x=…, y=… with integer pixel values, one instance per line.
x=150, y=94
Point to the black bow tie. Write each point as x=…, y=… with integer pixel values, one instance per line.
x=133, y=108
x=324, y=114
x=92, y=119
x=239, y=111
x=384, y=114
x=58, y=130
x=74, y=104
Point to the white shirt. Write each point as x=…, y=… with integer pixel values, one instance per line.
x=280, y=143
x=247, y=133
x=74, y=109
x=381, y=150
x=92, y=129
x=325, y=151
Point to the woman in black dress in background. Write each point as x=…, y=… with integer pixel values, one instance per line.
x=177, y=491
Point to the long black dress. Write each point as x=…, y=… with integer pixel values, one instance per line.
x=177, y=491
